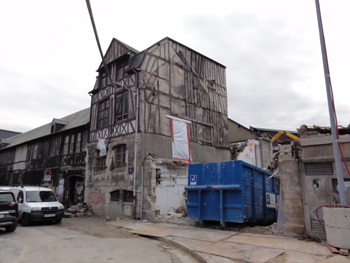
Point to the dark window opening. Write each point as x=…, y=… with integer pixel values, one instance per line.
x=103, y=114
x=120, y=155
x=128, y=196
x=71, y=144
x=104, y=79
x=78, y=143
x=115, y=195
x=66, y=144
x=122, y=106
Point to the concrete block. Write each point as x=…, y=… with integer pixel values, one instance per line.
x=337, y=223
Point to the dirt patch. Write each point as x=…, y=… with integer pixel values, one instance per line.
x=95, y=226
x=263, y=230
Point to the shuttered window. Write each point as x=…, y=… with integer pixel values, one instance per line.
x=324, y=168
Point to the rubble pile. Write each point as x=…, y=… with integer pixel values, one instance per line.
x=178, y=216
x=264, y=230
x=78, y=210
x=182, y=210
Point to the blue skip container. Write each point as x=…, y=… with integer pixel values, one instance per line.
x=232, y=191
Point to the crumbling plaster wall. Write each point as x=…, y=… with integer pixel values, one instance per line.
x=256, y=152
x=99, y=184
x=164, y=183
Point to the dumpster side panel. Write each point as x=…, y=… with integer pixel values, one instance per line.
x=232, y=191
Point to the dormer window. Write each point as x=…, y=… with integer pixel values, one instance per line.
x=57, y=124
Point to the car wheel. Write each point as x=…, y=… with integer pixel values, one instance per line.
x=25, y=220
x=11, y=228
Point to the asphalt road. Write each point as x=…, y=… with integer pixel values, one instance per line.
x=46, y=243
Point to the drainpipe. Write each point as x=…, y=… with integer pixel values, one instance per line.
x=136, y=141
x=135, y=151
x=141, y=209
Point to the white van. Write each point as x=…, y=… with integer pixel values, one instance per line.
x=37, y=204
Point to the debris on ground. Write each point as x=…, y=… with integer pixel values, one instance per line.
x=308, y=238
x=182, y=210
x=175, y=218
x=344, y=252
x=78, y=210
x=263, y=230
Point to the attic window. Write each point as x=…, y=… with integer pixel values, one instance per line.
x=57, y=124
x=4, y=143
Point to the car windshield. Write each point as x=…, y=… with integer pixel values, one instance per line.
x=6, y=197
x=41, y=196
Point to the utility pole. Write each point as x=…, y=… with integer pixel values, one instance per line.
x=331, y=109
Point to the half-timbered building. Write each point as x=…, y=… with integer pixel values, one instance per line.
x=52, y=155
x=140, y=107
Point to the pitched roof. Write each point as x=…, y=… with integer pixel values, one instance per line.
x=115, y=50
x=6, y=134
x=77, y=119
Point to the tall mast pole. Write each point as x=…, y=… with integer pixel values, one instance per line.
x=337, y=160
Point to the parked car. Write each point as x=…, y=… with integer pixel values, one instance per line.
x=8, y=211
x=37, y=204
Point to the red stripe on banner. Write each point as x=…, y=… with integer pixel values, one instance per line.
x=172, y=129
x=189, y=143
x=182, y=159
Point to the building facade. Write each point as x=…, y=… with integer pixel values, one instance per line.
x=165, y=89
x=52, y=155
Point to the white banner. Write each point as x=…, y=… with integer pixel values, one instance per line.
x=180, y=135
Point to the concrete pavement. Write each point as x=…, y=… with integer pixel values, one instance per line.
x=220, y=246
x=46, y=243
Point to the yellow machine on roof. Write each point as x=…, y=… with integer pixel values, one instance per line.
x=274, y=138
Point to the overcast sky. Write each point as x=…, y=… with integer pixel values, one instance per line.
x=271, y=50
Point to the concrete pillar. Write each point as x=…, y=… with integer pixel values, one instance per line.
x=293, y=213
